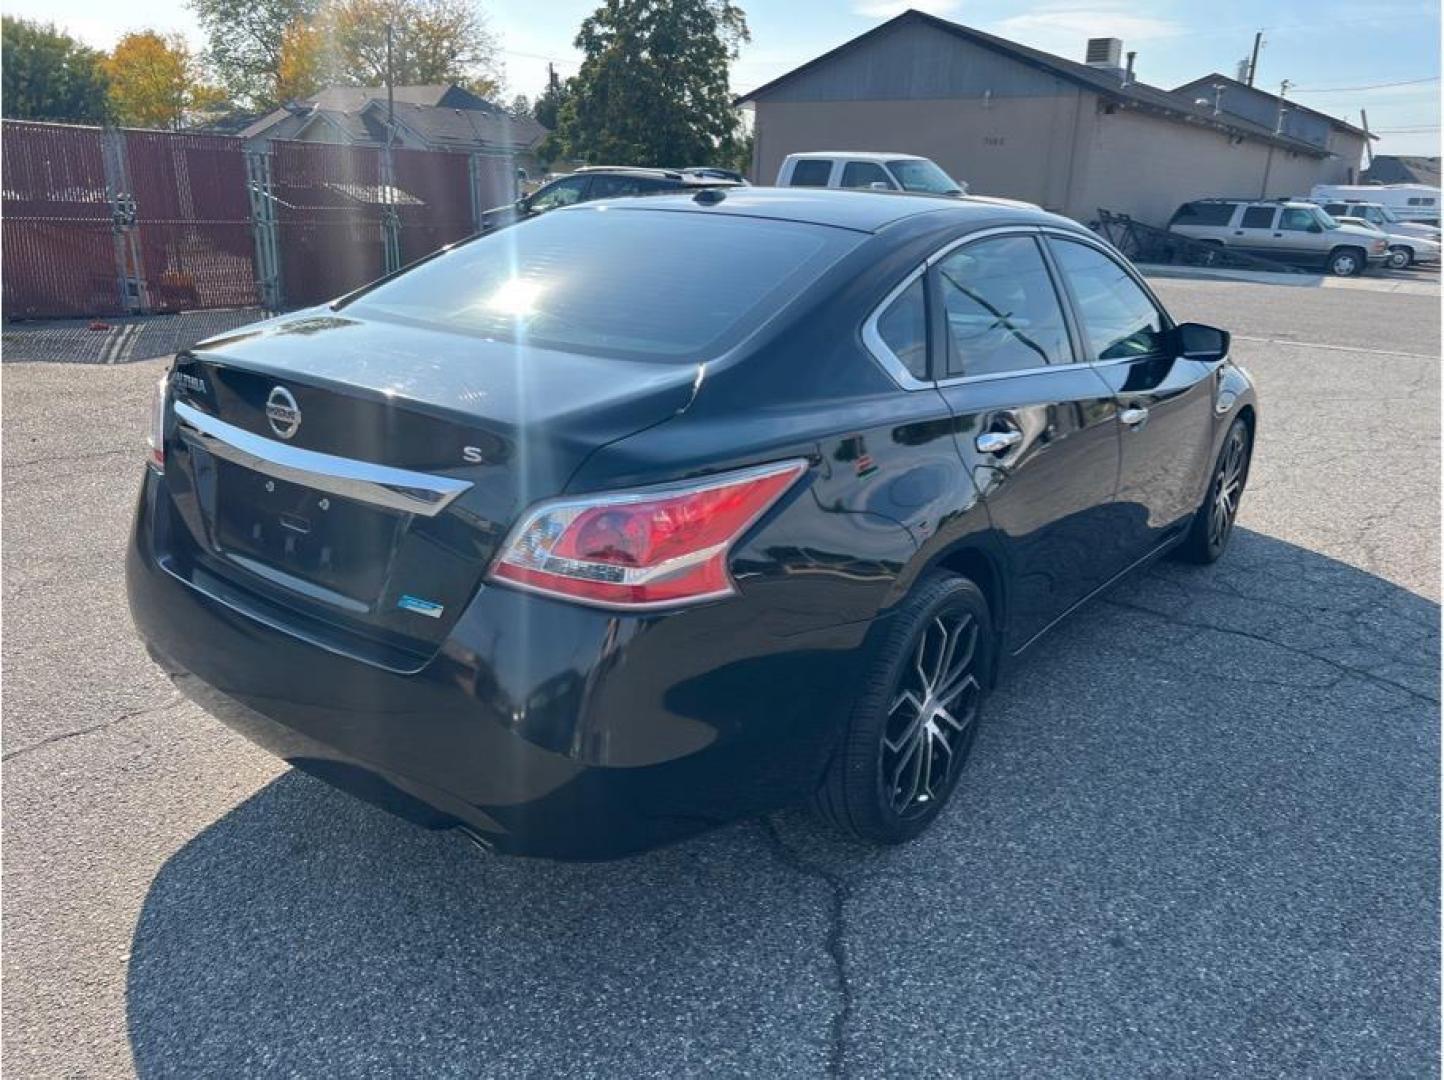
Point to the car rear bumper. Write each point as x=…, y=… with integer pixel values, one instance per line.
x=544, y=728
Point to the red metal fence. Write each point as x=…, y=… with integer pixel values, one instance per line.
x=329, y=218
x=100, y=222
x=193, y=214
x=434, y=200
x=59, y=247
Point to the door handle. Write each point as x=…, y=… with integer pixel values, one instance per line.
x=1133, y=416
x=997, y=442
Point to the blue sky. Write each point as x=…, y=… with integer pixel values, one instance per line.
x=1325, y=49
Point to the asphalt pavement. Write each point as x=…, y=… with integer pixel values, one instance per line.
x=1198, y=836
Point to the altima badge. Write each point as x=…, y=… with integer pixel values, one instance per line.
x=283, y=412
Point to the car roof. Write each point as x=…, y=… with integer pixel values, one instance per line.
x=684, y=175
x=856, y=155
x=862, y=211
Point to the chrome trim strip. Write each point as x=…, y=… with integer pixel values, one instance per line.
x=380, y=485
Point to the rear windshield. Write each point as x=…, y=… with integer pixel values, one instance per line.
x=614, y=281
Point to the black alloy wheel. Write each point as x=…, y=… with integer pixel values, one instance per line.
x=916, y=720
x=1213, y=524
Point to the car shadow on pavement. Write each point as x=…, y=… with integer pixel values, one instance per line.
x=1200, y=826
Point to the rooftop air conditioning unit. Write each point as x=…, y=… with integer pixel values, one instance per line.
x=1105, y=53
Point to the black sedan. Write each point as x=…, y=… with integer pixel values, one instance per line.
x=648, y=514
x=603, y=182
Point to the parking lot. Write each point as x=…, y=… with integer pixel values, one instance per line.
x=1199, y=834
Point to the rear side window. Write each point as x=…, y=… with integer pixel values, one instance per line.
x=1118, y=318
x=810, y=173
x=1001, y=309
x=1203, y=213
x=617, y=280
x=861, y=174
x=903, y=327
x=1258, y=217
x=1421, y=202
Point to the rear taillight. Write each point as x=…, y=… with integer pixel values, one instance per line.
x=648, y=548
x=156, y=438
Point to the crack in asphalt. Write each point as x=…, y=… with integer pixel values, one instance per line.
x=65, y=736
x=54, y=459
x=1345, y=669
x=836, y=943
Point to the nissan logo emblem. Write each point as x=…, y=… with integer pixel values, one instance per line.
x=283, y=412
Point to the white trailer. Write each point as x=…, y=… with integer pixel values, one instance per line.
x=1410, y=202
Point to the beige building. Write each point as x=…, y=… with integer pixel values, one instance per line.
x=1017, y=122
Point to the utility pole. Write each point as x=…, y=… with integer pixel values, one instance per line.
x=1279, y=124
x=551, y=77
x=1253, y=62
x=390, y=93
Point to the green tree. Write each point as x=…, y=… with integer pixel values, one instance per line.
x=549, y=103
x=432, y=41
x=520, y=107
x=48, y=75
x=246, y=44
x=653, y=88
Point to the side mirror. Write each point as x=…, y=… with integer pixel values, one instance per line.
x=1194, y=341
x=523, y=204
x=878, y=185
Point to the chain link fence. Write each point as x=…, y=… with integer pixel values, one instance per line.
x=101, y=221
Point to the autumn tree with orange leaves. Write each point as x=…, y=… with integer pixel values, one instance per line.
x=156, y=81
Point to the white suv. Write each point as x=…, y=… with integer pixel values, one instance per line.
x=1284, y=230
x=869, y=171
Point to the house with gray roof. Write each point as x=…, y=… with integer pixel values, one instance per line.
x=439, y=117
x=1071, y=136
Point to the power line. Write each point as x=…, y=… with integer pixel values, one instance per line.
x=1370, y=86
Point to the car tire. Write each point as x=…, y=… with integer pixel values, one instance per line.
x=917, y=712
x=1212, y=526
x=1347, y=261
x=1400, y=257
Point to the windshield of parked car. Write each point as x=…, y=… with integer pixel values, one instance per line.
x=920, y=174
x=1387, y=214
x=613, y=280
x=1323, y=218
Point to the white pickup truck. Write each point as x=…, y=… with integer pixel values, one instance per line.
x=868, y=170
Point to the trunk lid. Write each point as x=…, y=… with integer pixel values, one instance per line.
x=363, y=473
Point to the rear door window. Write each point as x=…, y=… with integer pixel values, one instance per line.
x=621, y=280
x=1258, y=217
x=615, y=186
x=810, y=173
x=1118, y=318
x=1001, y=310
x=863, y=174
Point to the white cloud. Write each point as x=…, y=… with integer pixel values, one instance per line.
x=886, y=9
x=1064, y=28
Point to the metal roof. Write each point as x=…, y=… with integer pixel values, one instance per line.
x=1103, y=82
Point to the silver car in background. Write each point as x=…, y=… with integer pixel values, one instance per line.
x=1284, y=230
x=1404, y=250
